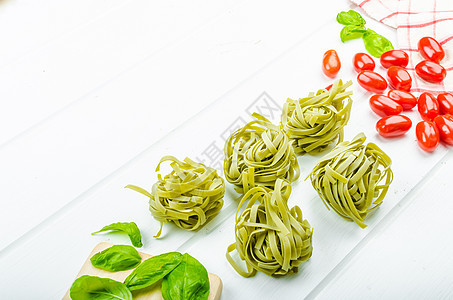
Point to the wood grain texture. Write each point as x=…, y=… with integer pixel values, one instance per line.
x=65, y=178
x=153, y=293
x=333, y=237
x=82, y=60
x=127, y=113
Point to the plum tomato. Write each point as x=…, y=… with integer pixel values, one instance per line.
x=445, y=101
x=331, y=63
x=384, y=106
x=427, y=135
x=399, y=78
x=430, y=71
x=428, y=107
x=372, y=81
x=430, y=49
x=362, y=62
x=405, y=99
x=394, y=58
x=445, y=126
x=392, y=126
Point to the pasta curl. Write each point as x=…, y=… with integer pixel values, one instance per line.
x=270, y=237
x=258, y=154
x=317, y=121
x=353, y=179
x=189, y=196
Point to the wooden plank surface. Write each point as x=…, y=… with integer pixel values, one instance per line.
x=116, y=121
x=409, y=257
x=82, y=61
x=208, y=64
x=153, y=293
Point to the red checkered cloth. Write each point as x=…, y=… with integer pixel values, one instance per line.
x=414, y=19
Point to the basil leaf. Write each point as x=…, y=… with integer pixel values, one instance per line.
x=350, y=32
x=350, y=17
x=188, y=281
x=91, y=287
x=116, y=258
x=376, y=44
x=130, y=228
x=152, y=270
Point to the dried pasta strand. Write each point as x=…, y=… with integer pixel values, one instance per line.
x=191, y=195
x=316, y=121
x=270, y=237
x=258, y=154
x=353, y=179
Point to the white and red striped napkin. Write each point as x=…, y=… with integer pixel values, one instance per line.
x=414, y=19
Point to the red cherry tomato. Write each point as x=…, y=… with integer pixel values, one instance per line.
x=399, y=78
x=431, y=49
x=392, y=126
x=428, y=106
x=445, y=103
x=327, y=88
x=405, y=99
x=445, y=126
x=384, y=106
x=362, y=62
x=427, y=135
x=331, y=63
x=394, y=58
x=372, y=81
x=430, y=71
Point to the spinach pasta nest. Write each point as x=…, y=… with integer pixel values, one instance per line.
x=270, y=237
x=316, y=121
x=189, y=196
x=353, y=179
x=258, y=154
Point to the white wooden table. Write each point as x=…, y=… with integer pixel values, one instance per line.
x=94, y=93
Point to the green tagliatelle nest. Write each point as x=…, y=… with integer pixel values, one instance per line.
x=258, y=154
x=353, y=179
x=189, y=196
x=317, y=121
x=270, y=237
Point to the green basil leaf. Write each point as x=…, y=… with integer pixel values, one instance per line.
x=188, y=281
x=350, y=32
x=130, y=228
x=350, y=17
x=116, y=258
x=376, y=44
x=91, y=287
x=152, y=270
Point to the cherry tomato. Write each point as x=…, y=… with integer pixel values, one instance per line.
x=427, y=135
x=399, y=78
x=372, y=81
x=327, y=88
x=445, y=101
x=428, y=106
x=430, y=71
x=431, y=49
x=445, y=126
x=384, y=106
x=392, y=126
x=331, y=63
x=362, y=62
x=405, y=99
x=394, y=58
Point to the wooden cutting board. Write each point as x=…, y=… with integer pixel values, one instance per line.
x=144, y=294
